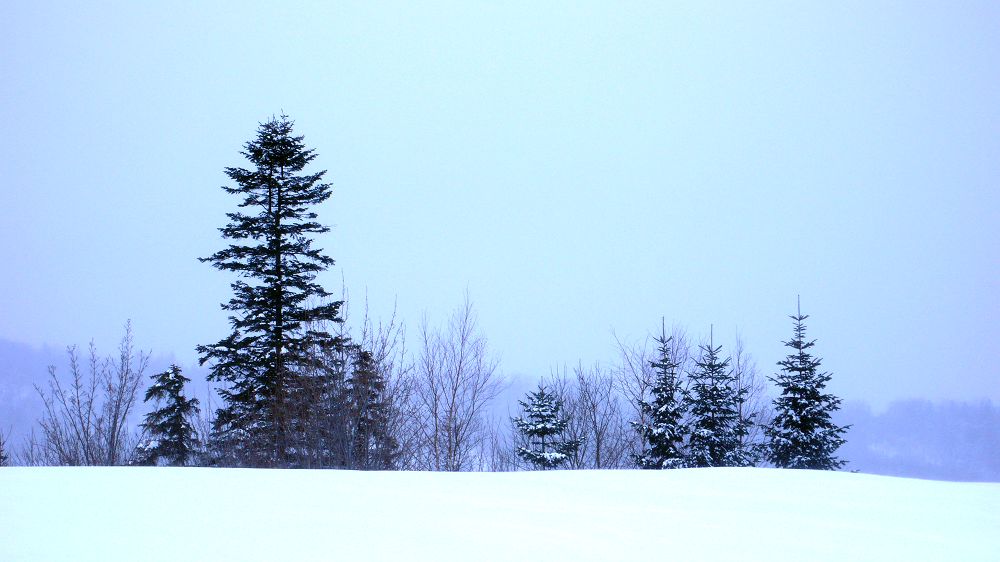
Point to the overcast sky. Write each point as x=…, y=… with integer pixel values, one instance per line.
x=578, y=168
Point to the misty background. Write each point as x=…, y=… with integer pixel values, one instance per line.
x=580, y=169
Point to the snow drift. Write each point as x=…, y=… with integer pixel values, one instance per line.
x=132, y=514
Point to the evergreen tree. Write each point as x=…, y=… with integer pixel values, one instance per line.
x=716, y=425
x=802, y=433
x=542, y=426
x=274, y=299
x=663, y=434
x=171, y=436
x=373, y=447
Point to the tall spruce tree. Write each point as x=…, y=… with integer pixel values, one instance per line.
x=542, y=424
x=274, y=301
x=802, y=433
x=716, y=425
x=663, y=433
x=171, y=437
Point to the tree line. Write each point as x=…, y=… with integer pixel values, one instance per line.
x=298, y=389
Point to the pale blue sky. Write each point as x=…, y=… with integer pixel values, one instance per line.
x=579, y=168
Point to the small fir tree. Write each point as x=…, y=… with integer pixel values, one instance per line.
x=542, y=425
x=663, y=433
x=716, y=425
x=373, y=447
x=319, y=400
x=802, y=433
x=171, y=437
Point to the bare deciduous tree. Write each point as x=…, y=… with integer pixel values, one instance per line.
x=754, y=404
x=386, y=341
x=331, y=425
x=87, y=422
x=4, y=455
x=456, y=378
x=592, y=405
x=606, y=431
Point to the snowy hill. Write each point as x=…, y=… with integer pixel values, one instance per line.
x=132, y=514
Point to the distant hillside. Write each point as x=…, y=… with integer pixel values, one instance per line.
x=21, y=367
x=923, y=439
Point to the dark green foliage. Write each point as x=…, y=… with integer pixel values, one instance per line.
x=663, y=433
x=274, y=303
x=542, y=424
x=716, y=426
x=372, y=447
x=170, y=436
x=802, y=433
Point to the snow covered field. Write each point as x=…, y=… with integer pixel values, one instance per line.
x=132, y=514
